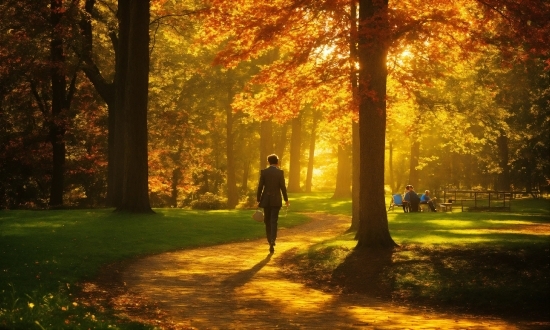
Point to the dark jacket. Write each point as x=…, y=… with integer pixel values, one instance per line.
x=412, y=197
x=270, y=187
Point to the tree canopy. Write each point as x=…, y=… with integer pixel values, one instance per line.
x=456, y=93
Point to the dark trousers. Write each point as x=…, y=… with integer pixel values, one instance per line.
x=430, y=205
x=271, y=216
x=414, y=207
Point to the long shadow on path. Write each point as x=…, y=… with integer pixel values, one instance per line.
x=235, y=286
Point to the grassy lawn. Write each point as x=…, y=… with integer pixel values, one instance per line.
x=45, y=254
x=487, y=263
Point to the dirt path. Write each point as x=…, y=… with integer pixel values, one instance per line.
x=238, y=286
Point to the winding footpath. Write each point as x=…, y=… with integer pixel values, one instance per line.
x=239, y=286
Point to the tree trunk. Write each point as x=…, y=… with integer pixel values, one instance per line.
x=356, y=150
x=135, y=194
x=295, y=151
x=246, y=170
x=59, y=105
x=266, y=142
x=310, y=161
x=107, y=92
x=356, y=172
x=343, y=176
x=504, y=176
x=116, y=118
x=232, y=194
x=176, y=175
x=373, y=48
x=280, y=147
x=415, y=154
x=390, y=167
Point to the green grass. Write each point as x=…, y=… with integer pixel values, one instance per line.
x=319, y=202
x=44, y=254
x=491, y=263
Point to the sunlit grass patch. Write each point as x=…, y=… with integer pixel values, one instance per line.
x=45, y=253
x=319, y=202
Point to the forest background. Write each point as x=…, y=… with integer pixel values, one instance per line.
x=233, y=81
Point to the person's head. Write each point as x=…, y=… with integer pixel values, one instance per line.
x=408, y=187
x=427, y=192
x=272, y=159
x=411, y=187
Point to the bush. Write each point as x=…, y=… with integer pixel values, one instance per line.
x=248, y=201
x=208, y=201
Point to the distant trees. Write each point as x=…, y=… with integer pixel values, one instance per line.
x=451, y=112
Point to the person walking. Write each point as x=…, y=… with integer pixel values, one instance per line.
x=270, y=187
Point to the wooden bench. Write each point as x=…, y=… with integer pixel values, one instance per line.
x=446, y=207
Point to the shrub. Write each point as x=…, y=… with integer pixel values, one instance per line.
x=248, y=201
x=208, y=201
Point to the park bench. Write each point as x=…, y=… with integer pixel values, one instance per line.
x=396, y=200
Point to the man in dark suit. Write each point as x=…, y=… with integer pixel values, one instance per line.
x=413, y=199
x=270, y=187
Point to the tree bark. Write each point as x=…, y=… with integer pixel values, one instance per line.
x=355, y=173
x=232, y=194
x=415, y=154
x=356, y=150
x=311, y=158
x=246, y=170
x=106, y=90
x=116, y=118
x=266, y=142
x=176, y=176
x=373, y=48
x=280, y=147
x=390, y=167
x=135, y=194
x=343, y=176
x=503, y=182
x=59, y=105
x=295, y=151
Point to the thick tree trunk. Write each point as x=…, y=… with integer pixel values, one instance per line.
x=415, y=154
x=356, y=150
x=373, y=48
x=311, y=158
x=59, y=104
x=355, y=172
x=232, y=194
x=295, y=151
x=390, y=167
x=266, y=142
x=343, y=176
x=116, y=118
x=135, y=194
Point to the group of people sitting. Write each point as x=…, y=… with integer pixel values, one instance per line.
x=411, y=200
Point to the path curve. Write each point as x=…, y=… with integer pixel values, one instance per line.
x=239, y=286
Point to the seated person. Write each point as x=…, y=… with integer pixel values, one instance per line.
x=412, y=200
x=426, y=199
